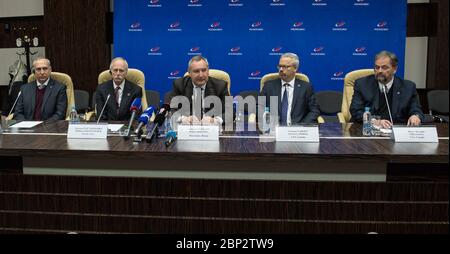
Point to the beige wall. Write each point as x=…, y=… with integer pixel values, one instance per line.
x=21, y=8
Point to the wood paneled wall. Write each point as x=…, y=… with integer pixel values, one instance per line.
x=76, y=40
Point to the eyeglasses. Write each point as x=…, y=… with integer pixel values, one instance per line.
x=384, y=67
x=279, y=67
x=39, y=69
x=118, y=70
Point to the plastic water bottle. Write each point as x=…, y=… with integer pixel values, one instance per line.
x=367, y=125
x=73, y=117
x=168, y=123
x=266, y=121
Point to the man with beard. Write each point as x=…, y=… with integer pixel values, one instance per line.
x=401, y=95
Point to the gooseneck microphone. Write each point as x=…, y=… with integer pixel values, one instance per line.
x=134, y=108
x=159, y=120
x=15, y=102
x=384, y=88
x=171, y=137
x=143, y=119
x=103, y=109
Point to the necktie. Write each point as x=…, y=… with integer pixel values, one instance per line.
x=284, y=106
x=41, y=86
x=117, y=93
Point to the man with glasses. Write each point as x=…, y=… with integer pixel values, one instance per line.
x=121, y=91
x=296, y=99
x=44, y=99
x=401, y=95
x=196, y=87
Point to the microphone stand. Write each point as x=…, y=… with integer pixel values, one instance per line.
x=387, y=103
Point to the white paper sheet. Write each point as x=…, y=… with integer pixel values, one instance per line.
x=114, y=127
x=26, y=124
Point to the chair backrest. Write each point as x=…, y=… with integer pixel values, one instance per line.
x=66, y=80
x=272, y=76
x=349, y=83
x=81, y=100
x=134, y=75
x=438, y=101
x=153, y=98
x=218, y=74
x=329, y=102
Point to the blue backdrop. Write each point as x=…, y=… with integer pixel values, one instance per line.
x=246, y=37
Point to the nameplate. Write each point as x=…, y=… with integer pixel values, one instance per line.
x=297, y=134
x=87, y=130
x=415, y=134
x=198, y=132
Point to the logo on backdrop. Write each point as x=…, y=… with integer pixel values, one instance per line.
x=319, y=3
x=154, y=4
x=319, y=51
x=256, y=27
x=175, y=27
x=338, y=75
x=360, y=51
x=298, y=26
x=195, y=3
x=194, y=51
x=340, y=26
x=135, y=27
x=255, y=75
x=236, y=51
x=276, y=51
x=155, y=51
x=277, y=3
x=174, y=74
x=215, y=27
x=361, y=3
x=235, y=3
x=382, y=26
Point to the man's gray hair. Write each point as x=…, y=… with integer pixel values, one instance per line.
x=392, y=56
x=293, y=57
x=118, y=59
x=197, y=59
x=42, y=58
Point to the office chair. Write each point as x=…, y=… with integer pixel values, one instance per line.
x=438, y=105
x=81, y=100
x=347, y=95
x=153, y=98
x=329, y=103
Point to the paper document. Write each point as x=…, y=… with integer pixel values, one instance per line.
x=26, y=124
x=114, y=127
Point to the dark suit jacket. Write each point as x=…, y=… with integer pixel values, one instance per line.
x=54, y=104
x=304, y=107
x=130, y=92
x=367, y=94
x=183, y=86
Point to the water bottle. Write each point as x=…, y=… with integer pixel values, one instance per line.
x=168, y=123
x=367, y=125
x=73, y=117
x=266, y=121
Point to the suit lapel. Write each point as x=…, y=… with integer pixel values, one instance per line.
x=125, y=101
x=277, y=91
x=375, y=89
x=48, y=92
x=395, y=96
x=299, y=90
x=33, y=97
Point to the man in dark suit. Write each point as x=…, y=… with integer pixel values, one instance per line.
x=401, y=95
x=196, y=87
x=122, y=93
x=296, y=99
x=43, y=99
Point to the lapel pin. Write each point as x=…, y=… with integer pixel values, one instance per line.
x=128, y=94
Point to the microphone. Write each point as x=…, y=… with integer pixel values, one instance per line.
x=103, y=109
x=15, y=102
x=144, y=118
x=159, y=120
x=135, y=107
x=171, y=137
x=384, y=88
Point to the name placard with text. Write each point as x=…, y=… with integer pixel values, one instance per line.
x=297, y=134
x=87, y=130
x=198, y=132
x=415, y=134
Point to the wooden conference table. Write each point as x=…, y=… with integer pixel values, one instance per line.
x=243, y=183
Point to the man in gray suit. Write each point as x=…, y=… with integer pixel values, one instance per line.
x=296, y=99
x=43, y=99
x=121, y=91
